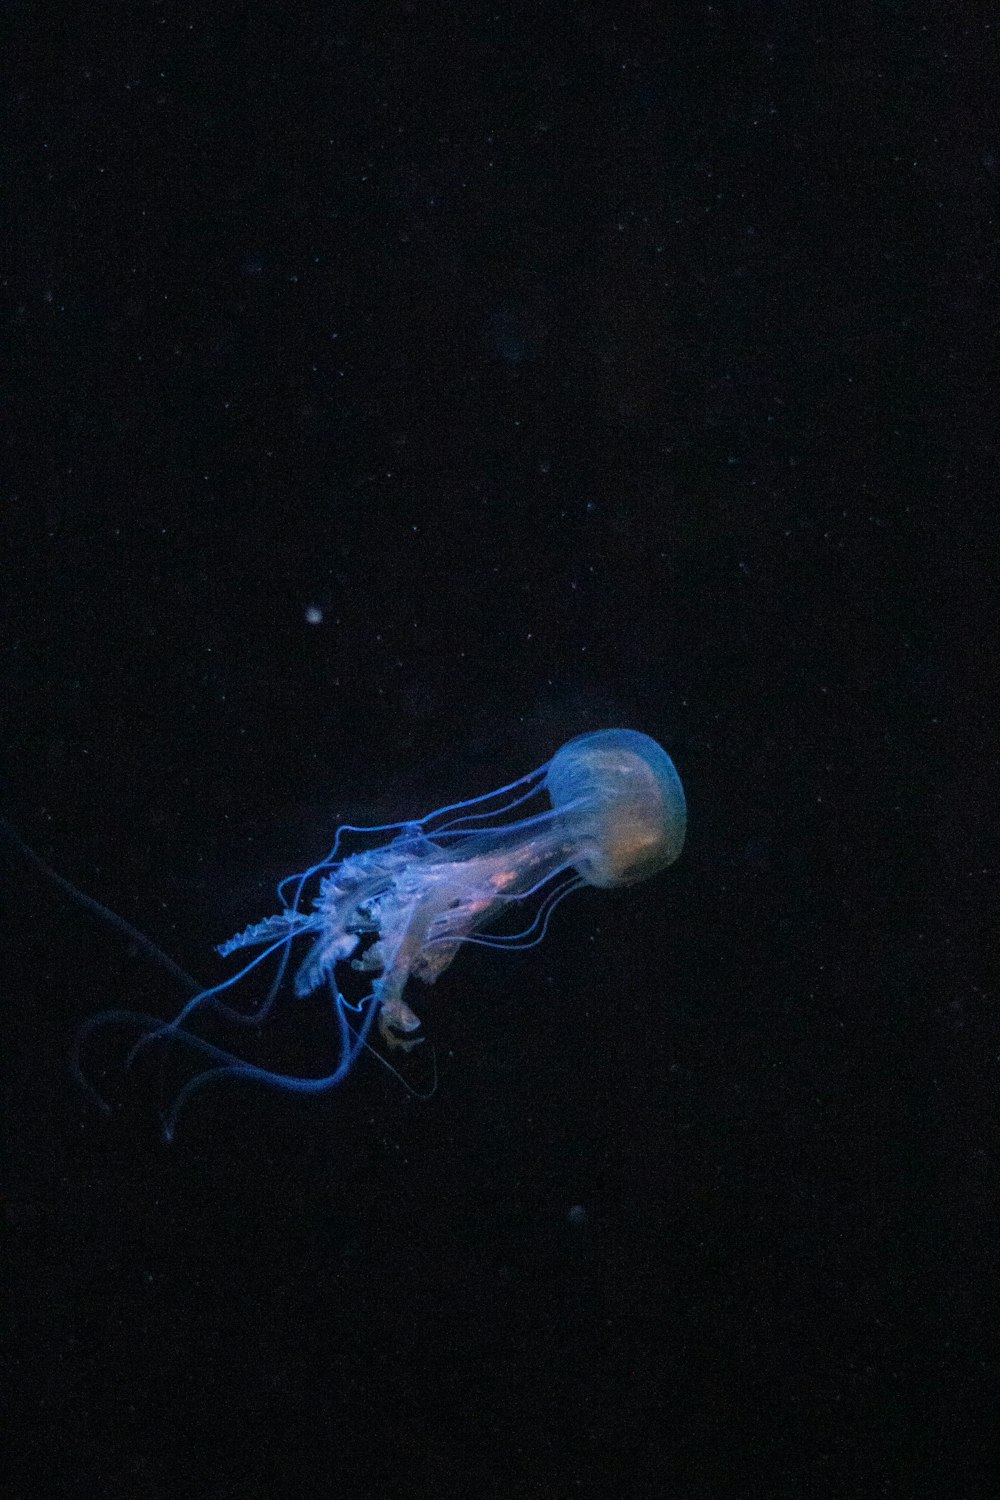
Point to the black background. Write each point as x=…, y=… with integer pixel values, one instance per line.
x=582, y=365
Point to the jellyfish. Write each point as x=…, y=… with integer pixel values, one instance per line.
x=607, y=810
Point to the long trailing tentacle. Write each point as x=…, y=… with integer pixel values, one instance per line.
x=110, y=918
x=353, y=1040
x=230, y=1066
x=97, y=1023
x=210, y=997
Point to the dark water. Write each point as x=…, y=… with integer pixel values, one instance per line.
x=398, y=392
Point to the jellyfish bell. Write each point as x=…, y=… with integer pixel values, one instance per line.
x=620, y=802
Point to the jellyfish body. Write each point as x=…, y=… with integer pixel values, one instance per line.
x=612, y=813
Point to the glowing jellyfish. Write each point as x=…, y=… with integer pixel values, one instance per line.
x=607, y=810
